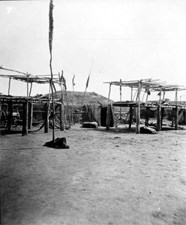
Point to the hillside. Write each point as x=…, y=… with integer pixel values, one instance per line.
x=90, y=98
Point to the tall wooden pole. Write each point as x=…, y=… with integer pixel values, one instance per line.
x=83, y=97
x=86, y=85
x=51, y=27
x=53, y=112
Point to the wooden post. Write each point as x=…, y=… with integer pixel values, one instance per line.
x=163, y=96
x=159, y=113
x=147, y=97
x=176, y=113
x=108, y=116
x=68, y=109
x=62, y=108
x=62, y=125
x=143, y=96
x=27, y=89
x=25, y=118
x=162, y=115
x=120, y=89
x=109, y=92
x=30, y=115
x=10, y=110
x=173, y=116
x=53, y=111
x=9, y=83
x=30, y=89
x=138, y=109
x=46, y=106
x=0, y=112
x=131, y=96
x=131, y=116
x=73, y=84
x=108, y=109
x=147, y=116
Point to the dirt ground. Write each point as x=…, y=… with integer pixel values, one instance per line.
x=105, y=177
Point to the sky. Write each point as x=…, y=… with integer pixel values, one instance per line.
x=118, y=39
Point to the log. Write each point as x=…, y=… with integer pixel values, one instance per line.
x=147, y=130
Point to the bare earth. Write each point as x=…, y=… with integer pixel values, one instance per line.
x=104, y=178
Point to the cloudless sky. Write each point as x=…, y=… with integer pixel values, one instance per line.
x=121, y=39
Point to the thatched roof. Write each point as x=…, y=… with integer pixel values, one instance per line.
x=89, y=98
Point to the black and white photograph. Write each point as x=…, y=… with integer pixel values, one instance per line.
x=93, y=112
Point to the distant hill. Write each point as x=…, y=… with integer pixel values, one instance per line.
x=90, y=98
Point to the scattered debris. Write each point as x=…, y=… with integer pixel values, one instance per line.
x=90, y=125
x=57, y=143
x=147, y=130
